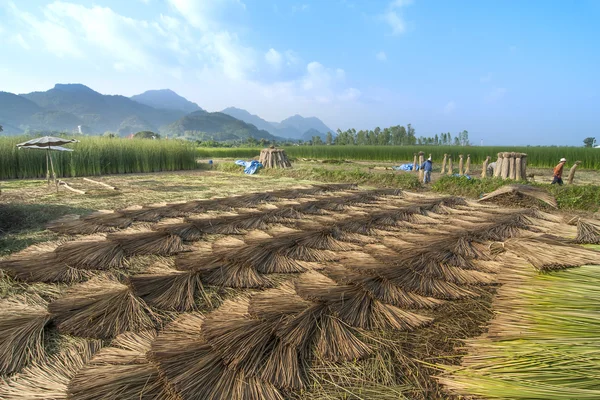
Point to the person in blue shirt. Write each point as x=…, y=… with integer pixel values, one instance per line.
x=427, y=168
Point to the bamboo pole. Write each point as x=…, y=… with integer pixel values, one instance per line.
x=572, y=172
x=63, y=183
x=468, y=165
x=460, y=164
x=100, y=183
x=444, y=164
x=449, y=165
x=498, y=169
x=421, y=172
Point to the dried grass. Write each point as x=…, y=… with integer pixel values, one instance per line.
x=587, y=233
x=91, y=254
x=101, y=308
x=21, y=333
x=153, y=242
x=548, y=255
x=530, y=191
x=48, y=380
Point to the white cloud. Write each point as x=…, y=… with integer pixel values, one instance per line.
x=18, y=39
x=495, y=95
x=202, y=14
x=350, y=94
x=291, y=58
x=393, y=16
x=486, y=78
x=449, y=108
x=274, y=59
x=381, y=56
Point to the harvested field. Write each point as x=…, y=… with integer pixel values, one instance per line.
x=321, y=292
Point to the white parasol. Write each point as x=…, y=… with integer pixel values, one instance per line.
x=48, y=143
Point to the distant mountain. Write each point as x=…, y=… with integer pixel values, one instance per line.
x=215, y=126
x=291, y=128
x=166, y=99
x=308, y=135
x=77, y=104
x=14, y=111
x=250, y=119
x=297, y=125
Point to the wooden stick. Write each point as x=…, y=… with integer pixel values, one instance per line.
x=63, y=183
x=100, y=183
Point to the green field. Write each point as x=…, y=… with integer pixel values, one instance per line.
x=537, y=156
x=96, y=156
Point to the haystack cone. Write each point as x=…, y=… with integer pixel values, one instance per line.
x=274, y=158
x=444, y=164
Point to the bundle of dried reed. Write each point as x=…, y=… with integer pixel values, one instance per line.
x=91, y=254
x=101, y=308
x=49, y=379
x=547, y=254
x=21, y=333
x=121, y=371
x=587, y=232
x=147, y=242
x=523, y=190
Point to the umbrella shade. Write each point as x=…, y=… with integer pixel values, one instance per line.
x=56, y=148
x=46, y=141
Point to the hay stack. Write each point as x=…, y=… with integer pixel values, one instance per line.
x=274, y=158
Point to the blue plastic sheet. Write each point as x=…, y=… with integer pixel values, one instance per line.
x=250, y=167
x=405, y=167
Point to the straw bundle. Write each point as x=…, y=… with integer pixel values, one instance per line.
x=153, y=242
x=587, y=233
x=121, y=371
x=92, y=254
x=356, y=306
x=338, y=342
x=523, y=190
x=380, y=288
x=101, y=309
x=171, y=290
x=468, y=165
x=49, y=379
x=221, y=272
x=21, y=333
x=93, y=223
x=274, y=158
x=547, y=255
x=445, y=160
x=39, y=264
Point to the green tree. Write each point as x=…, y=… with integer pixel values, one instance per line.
x=1, y=128
x=329, y=138
x=317, y=141
x=109, y=134
x=463, y=138
x=146, y=135
x=587, y=142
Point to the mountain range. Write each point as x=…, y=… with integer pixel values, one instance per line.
x=70, y=107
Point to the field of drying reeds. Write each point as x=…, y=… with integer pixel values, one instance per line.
x=320, y=292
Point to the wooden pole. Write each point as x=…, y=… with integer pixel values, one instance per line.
x=485, y=166
x=444, y=164
x=449, y=165
x=498, y=169
x=100, y=183
x=53, y=174
x=48, y=166
x=59, y=182
x=421, y=172
x=572, y=172
x=460, y=164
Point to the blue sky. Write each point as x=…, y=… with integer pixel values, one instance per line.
x=509, y=72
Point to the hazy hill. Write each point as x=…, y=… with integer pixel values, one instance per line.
x=292, y=127
x=98, y=112
x=166, y=99
x=308, y=135
x=14, y=111
x=215, y=126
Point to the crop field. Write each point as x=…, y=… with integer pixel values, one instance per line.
x=536, y=156
x=306, y=291
x=96, y=156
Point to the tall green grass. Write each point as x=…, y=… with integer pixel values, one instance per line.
x=548, y=349
x=536, y=156
x=97, y=156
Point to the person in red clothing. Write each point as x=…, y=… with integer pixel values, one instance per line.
x=558, y=170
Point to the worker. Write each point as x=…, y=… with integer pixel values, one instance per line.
x=558, y=170
x=427, y=167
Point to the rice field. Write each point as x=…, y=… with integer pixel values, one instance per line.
x=96, y=156
x=313, y=292
x=537, y=156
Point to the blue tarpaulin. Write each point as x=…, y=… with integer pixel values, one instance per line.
x=250, y=167
x=405, y=167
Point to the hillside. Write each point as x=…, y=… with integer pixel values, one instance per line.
x=291, y=128
x=308, y=135
x=96, y=112
x=15, y=111
x=215, y=126
x=166, y=99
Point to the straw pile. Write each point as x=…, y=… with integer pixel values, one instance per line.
x=274, y=158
